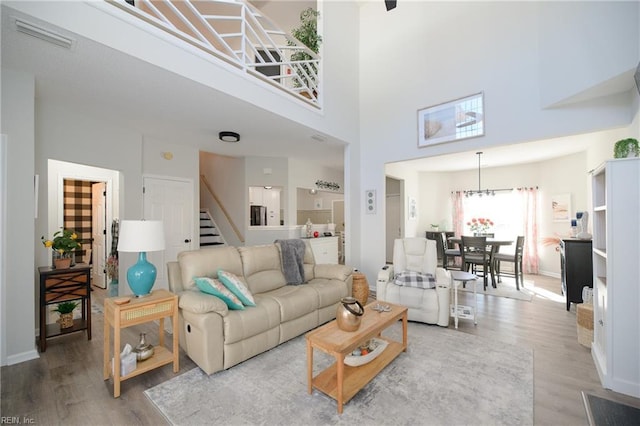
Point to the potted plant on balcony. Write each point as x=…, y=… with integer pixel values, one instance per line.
x=65, y=309
x=307, y=33
x=626, y=148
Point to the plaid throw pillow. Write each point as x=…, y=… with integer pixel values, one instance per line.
x=415, y=279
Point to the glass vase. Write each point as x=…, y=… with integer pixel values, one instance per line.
x=113, y=288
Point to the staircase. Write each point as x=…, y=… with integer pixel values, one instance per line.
x=209, y=234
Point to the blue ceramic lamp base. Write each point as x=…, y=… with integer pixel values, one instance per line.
x=141, y=276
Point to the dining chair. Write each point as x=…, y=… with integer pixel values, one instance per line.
x=437, y=237
x=515, y=258
x=475, y=254
x=449, y=253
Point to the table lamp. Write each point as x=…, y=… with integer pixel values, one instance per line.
x=141, y=236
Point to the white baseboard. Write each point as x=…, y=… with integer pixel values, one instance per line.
x=550, y=274
x=22, y=357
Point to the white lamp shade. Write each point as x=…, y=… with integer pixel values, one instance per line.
x=141, y=235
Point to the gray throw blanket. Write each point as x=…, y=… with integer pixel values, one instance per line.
x=293, y=260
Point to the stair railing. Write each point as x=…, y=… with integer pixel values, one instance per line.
x=238, y=33
x=226, y=214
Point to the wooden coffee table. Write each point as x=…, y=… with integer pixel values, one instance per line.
x=339, y=381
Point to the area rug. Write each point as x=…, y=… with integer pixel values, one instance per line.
x=506, y=288
x=604, y=412
x=446, y=377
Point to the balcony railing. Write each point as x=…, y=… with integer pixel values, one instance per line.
x=239, y=34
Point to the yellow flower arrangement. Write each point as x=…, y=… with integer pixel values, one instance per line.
x=64, y=242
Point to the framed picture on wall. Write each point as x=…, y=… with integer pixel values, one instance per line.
x=561, y=207
x=451, y=121
x=412, y=208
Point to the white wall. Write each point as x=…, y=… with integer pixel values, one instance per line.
x=568, y=66
x=110, y=26
x=70, y=136
x=494, y=48
x=19, y=279
x=3, y=254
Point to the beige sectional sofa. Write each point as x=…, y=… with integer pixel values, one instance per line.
x=217, y=338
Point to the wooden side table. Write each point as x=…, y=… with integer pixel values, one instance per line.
x=63, y=285
x=157, y=306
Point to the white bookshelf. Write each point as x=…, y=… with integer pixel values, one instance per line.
x=616, y=274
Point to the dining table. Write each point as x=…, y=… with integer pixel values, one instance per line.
x=493, y=246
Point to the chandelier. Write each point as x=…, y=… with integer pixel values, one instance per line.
x=480, y=192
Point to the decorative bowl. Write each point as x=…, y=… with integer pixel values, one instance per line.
x=357, y=360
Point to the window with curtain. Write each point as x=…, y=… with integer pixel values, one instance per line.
x=513, y=213
x=503, y=209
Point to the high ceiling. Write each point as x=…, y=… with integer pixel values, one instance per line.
x=106, y=83
x=103, y=82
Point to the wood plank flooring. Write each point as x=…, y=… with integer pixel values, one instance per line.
x=65, y=385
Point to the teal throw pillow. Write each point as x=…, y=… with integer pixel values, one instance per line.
x=237, y=287
x=215, y=288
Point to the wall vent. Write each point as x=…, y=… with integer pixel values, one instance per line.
x=43, y=34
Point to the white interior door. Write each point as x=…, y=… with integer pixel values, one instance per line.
x=393, y=231
x=171, y=201
x=98, y=233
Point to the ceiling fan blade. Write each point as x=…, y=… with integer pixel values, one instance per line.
x=391, y=4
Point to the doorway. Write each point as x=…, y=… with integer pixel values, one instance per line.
x=393, y=214
x=84, y=208
x=170, y=200
x=75, y=182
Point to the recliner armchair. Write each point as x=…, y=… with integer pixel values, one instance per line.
x=428, y=305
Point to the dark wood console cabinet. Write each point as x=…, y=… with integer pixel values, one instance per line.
x=61, y=285
x=576, y=264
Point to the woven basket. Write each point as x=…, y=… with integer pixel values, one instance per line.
x=360, y=288
x=585, y=323
x=66, y=320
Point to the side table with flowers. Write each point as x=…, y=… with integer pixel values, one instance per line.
x=480, y=226
x=63, y=244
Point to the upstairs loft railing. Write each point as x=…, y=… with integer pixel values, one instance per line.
x=238, y=33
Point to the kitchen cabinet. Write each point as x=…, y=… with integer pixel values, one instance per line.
x=268, y=197
x=325, y=249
